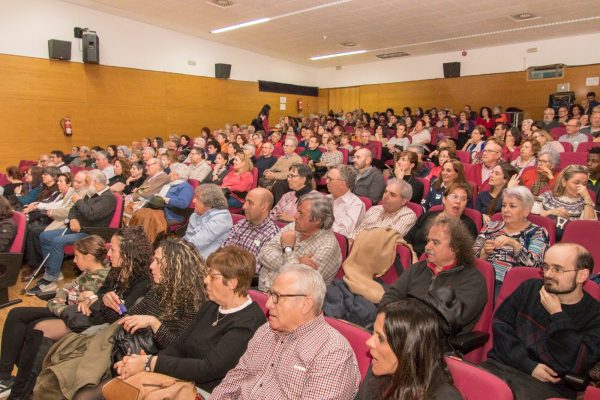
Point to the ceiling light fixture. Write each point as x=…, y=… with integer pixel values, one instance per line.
x=242, y=25
x=348, y=53
x=262, y=20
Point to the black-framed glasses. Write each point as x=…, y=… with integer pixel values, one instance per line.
x=277, y=296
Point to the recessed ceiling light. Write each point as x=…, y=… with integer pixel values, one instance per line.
x=242, y=25
x=524, y=16
x=348, y=53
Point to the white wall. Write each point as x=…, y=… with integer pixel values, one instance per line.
x=26, y=26
x=575, y=50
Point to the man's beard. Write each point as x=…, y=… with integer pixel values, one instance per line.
x=553, y=290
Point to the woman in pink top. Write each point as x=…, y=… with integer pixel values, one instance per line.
x=238, y=181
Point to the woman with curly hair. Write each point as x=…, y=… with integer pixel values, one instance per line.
x=167, y=310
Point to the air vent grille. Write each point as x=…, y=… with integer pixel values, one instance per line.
x=393, y=55
x=221, y=3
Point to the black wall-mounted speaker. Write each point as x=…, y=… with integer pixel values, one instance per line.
x=91, y=48
x=222, y=71
x=59, y=49
x=451, y=70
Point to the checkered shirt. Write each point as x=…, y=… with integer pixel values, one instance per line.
x=312, y=362
x=252, y=237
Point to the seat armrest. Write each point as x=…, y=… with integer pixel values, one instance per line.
x=577, y=382
x=466, y=342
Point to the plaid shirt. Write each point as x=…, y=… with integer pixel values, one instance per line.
x=251, y=237
x=402, y=220
x=322, y=247
x=312, y=362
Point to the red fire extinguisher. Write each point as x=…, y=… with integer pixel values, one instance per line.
x=66, y=126
x=299, y=104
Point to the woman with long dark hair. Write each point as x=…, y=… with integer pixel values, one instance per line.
x=408, y=360
x=489, y=202
x=261, y=122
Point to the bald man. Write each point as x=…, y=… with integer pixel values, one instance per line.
x=369, y=181
x=257, y=229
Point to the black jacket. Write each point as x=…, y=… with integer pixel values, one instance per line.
x=95, y=211
x=464, y=284
x=8, y=231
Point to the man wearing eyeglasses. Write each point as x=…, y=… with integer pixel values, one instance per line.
x=548, y=328
x=297, y=354
x=573, y=135
x=479, y=174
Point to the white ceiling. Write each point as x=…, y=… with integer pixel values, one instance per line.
x=418, y=27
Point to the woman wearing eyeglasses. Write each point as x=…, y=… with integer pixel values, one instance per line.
x=455, y=199
x=514, y=241
x=569, y=198
x=300, y=180
x=219, y=335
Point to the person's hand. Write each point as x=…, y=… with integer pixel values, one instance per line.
x=513, y=181
x=559, y=212
x=504, y=240
x=547, y=172
x=84, y=308
x=132, y=323
x=131, y=365
x=74, y=225
x=486, y=219
x=307, y=260
x=544, y=373
x=112, y=301
x=583, y=192
x=76, y=197
x=84, y=295
x=18, y=189
x=288, y=238
x=550, y=301
x=268, y=174
x=489, y=246
x=398, y=172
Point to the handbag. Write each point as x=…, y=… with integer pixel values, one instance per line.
x=150, y=386
x=126, y=343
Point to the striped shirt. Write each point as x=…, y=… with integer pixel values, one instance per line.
x=533, y=239
x=314, y=361
x=402, y=220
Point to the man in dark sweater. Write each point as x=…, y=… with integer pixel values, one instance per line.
x=448, y=280
x=548, y=328
x=369, y=181
x=94, y=210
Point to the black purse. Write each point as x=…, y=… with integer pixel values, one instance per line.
x=126, y=343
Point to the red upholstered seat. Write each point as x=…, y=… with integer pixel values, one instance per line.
x=475, y=383
x=12, y=260
x=260, y=298
x=585, y=233
x=357, y=337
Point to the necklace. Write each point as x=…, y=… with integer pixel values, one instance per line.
x=219, y=319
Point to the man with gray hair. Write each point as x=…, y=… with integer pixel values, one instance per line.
x=93, y=210
x=348, y=209
x=309, y=240
x=104, y=165
x=148, y=153
x=391, y=213
x=307, y=358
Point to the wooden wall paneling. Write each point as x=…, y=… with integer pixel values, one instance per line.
x=346, y=99
x=323, y=101
x=507, y=89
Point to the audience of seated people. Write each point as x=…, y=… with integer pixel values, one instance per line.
x=48, y=196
